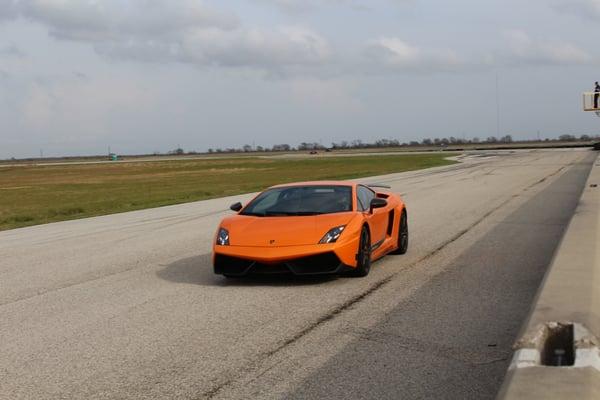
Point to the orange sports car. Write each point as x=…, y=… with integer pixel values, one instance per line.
x=311, y=228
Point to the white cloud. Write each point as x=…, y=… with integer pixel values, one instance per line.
x=184, y=31
x=585, y=8
x=274, y=50
x=396, y=54
x=115, y=19
x=8, y=9
x=302, y=6
x=284, y=46
x=524, y=49
x=11, y=51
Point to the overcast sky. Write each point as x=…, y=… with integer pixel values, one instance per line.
x=77, y=76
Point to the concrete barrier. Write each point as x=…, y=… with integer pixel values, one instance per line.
x=557, y=354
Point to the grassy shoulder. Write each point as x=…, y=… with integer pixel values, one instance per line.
x=31, y=195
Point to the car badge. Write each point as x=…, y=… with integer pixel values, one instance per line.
x=271, y=242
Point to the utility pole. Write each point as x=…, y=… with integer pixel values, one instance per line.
x=497, y=106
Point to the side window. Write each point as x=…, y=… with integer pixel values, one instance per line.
x=365, y=195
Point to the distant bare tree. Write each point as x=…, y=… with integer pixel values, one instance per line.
x=357, y=144
x=281, y=147
x=567, y=138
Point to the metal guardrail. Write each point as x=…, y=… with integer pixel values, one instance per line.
x=557, y=354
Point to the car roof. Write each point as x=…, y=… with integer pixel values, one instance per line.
x=316, y=183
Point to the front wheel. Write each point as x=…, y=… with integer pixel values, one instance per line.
x=402, y=235
x=363, y=257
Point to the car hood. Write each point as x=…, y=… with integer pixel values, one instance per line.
x=281, y=231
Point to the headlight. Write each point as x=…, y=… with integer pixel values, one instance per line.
x=333, y=235
x=223, y=237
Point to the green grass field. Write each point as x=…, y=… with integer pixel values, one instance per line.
x=31, y=195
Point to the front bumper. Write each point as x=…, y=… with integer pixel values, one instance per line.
x=298, y=260
x=322, y=264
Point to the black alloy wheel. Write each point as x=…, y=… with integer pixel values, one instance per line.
x=402, y=235
x=363, y=258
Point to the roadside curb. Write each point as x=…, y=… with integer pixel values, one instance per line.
x=557, y=354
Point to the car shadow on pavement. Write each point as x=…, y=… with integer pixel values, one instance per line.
x=198, y=270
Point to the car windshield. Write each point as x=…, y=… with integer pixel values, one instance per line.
x=301, y=200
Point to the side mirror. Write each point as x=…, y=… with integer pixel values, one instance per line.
x=236, y=207
x=377, y=203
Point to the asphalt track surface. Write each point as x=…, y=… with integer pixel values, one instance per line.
x=126, y=306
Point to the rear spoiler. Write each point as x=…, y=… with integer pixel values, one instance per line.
x=378, y=185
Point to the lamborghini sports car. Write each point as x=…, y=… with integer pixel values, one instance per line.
x=311, y=228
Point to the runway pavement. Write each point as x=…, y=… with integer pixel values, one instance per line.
x=126, y=306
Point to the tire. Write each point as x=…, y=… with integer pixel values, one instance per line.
x=402, y=235
x=363, y=262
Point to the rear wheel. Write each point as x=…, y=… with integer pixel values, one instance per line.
x=363, y=258
x=402, y=235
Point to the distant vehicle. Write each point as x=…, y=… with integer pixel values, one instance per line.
x=327, y=150
x=311, y=228
x=313, y=152
x=113, y=157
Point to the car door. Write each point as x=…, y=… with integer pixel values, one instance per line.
x=378, y=220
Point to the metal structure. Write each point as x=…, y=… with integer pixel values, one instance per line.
x=591, y=102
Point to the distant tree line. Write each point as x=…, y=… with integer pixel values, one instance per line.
x=355, y=144
x=383, y=143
